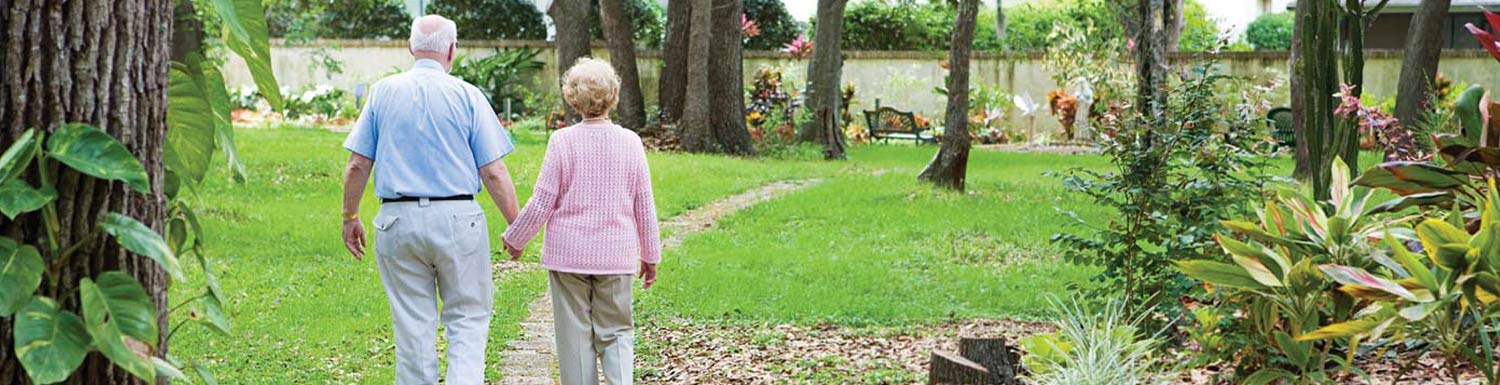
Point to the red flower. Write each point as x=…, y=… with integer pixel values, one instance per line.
x=748, y=28
x=1487, y=38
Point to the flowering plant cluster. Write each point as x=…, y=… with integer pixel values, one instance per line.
x=1397, y=142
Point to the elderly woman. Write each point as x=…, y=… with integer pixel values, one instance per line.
x=594, y=195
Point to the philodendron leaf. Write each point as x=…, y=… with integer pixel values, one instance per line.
x=118, y=314
x=139, y=239
x=95, y=153
x=19, y=155
x=218, y=99
x=17, y=197
x=190, y=124
x=1219, y=274
x=20, y=274
x=50, y=342
x=246, y=34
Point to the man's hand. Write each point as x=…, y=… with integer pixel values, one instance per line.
x=515, y=254
x=354, y=238
x=647, y=274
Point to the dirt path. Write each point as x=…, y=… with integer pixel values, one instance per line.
x=529, y=360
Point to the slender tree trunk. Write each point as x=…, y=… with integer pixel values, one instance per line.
x=103, y=63
x=726, y=79
x=1173, y=21
x=695, y=127
x=1314, y=81
x=632, y=109
x=571, y=19
x=823, y=79
x=1000, y=23
x=672, y=86
x=950, y=166
x=1150, y=53
x=1424, y=46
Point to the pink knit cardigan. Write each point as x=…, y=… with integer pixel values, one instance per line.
x=594, y=196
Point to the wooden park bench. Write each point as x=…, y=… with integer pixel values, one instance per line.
x=888, y=123
x=1281, y=122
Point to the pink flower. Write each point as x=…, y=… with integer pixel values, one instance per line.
x=800, y=48
x=748, y=28
x=1487, y=38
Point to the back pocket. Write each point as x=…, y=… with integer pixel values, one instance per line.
x=471, y=233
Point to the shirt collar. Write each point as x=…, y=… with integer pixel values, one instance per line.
x=428, y=64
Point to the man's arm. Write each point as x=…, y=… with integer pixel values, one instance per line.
x=356, y=176
x=502, y=191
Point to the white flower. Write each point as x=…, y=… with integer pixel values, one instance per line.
x=1025, y=103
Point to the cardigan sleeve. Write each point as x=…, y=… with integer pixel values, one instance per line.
x=647, y=229
x=550, y=185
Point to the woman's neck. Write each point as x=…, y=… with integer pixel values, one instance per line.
x=596, y=119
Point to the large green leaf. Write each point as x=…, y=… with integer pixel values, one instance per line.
x=1439, y=198
x=95, y=153
x=20, y=274
x=218, y=99
x=117, y=312
x=1219, y=274
x=1435, y=233
x=214, y=316
x=1413, y=265
x=246, y=34
x=1407, y=178
x=166, y=369
x=139, y=239
x=19, y=155
x=190, y=124
x=1265, y=265
x=50, y=342
x=17, y=197
x=1359, y=277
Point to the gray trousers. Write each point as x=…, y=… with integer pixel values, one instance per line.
x=431, y=251
x=592, y=316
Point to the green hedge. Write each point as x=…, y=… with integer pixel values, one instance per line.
x=337, y=19
x=1270, y=32
x=493, y=19
x=909, y=25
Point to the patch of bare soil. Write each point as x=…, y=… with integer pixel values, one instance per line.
x=683, y=352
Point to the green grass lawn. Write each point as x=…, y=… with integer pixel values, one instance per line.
x=868, y=246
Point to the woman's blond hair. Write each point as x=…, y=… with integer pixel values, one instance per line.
x=591, y=87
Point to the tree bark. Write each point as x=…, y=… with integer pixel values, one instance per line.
x=995, y=355
x=1314, y=81
x=694, y=128
x=726, y=79
x=952, y=369
x=1172, y=11
x=1419, y=63
x=1000, y=23
x=823, y=79
x=571, y=19
x=1151, y=45
x=672, y=86
x=617, y=26
x=950, y=166
x=102, y=63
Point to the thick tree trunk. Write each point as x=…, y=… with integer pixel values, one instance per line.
x=672, y=86
x=1315, y=80
x=726, y=80
x=571, y=19
x=1424, y=46
x=695, y=127
x=950, y=166
x=632, y=108
x=103, y=63
x=823, y=79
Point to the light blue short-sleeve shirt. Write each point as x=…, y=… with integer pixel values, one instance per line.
x=429, y=133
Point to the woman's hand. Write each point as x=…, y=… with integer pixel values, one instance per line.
x=647, y=274
x=515, y=254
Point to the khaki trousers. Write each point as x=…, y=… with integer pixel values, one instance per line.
x=431, y=250
x=594, y=325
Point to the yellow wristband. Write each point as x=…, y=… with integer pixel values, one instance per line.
x=351, y=216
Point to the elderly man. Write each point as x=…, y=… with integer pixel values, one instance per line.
x=433, y=139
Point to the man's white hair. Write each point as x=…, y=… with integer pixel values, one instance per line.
x=433, y=33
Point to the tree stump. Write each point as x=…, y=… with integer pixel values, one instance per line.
x=1002, y=361
x=952, y=369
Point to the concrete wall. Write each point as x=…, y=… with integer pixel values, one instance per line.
x=904, y=80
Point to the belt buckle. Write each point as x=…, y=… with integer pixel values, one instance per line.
x=424, y=202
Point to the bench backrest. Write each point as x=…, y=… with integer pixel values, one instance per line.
x=886, y=119
x=1281, y=122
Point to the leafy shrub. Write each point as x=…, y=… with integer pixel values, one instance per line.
x=321, y=101
x=1175, y=177
x=1200, y=32
x=646, y=16
x=493, y=19
x=1270, y=32
x=897, y=25
x=1029, y=26
x=337, y=19
x=500, y=76
x=1092, y=347
x=777, y=26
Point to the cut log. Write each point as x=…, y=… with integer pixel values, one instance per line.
x=952, y=369
x=1002, y=360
